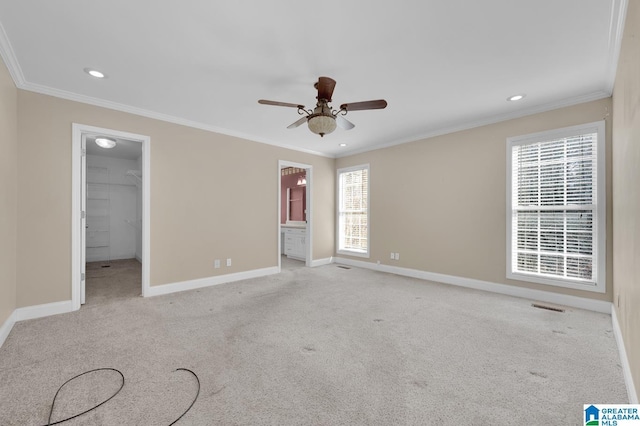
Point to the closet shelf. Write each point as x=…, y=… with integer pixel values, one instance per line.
x=135, y=223
x=136, y=175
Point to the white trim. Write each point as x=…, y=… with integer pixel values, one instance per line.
x=76, y=218
x=616, y=30
x=77, y=130
x=45, y=310
x=509, y=290
x=32, y=87
x=145, y=253
x=600, y=211
x=624, y=361
x=322, y=262
x=10, y=59
x=6, y=327
x=158, y=290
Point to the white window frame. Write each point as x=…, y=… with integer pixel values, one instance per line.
x=339, y=237
x=599, y=222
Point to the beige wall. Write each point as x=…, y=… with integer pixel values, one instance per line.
x=8, y=196
x=441, y=202
x=212, y=197
x=626, y=189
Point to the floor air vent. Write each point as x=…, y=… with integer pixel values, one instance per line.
x=343, y=267
x=547, y=307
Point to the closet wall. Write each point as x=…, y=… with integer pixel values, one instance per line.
x=113, y=209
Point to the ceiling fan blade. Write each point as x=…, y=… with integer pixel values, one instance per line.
x=344, y=123
x=284, y=104
x=297, y=123
x=325, y=86
x=359, y=106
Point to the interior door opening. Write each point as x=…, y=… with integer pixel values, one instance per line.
x=110, y=215
x=295, y=214
x=113, y=219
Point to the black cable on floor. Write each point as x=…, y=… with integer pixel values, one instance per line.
x=118, y=391
x=194, y=399
x=90, y=409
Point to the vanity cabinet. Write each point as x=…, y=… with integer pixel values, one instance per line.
x=294, y=243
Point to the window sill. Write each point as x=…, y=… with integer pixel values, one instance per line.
x=353, y=253
x=577, y=285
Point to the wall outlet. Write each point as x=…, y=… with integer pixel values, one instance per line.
x=393, y=256
x=216, y=263
x=228, y=262
x=397, y=256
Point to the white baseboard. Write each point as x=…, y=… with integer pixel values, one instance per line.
x=624, y=361
x=39, y=311
x=32, y=312
x=525, y=293
x=159, y=290
x=6, y=327
x=321, y=262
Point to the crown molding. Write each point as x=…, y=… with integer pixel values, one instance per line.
x=63, y=94
x=10, y=60
x=486, y=121
x=616, y=31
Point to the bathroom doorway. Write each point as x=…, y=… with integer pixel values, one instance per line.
x=295, y=213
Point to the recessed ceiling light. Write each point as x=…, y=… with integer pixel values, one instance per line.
x=105, y=143
x=94, y=73
x=516, y=97
x=343, y=144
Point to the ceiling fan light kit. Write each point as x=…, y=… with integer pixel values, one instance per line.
x=323, y=120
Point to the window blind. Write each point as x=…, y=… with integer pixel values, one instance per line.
x=353, y=210
x=554, y=208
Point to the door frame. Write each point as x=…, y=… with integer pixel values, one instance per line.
x=78, y=179
x=309, y=189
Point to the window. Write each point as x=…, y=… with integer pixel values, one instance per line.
x=353, y=211
x=556, y=207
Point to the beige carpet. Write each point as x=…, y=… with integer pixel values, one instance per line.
x=322, y=346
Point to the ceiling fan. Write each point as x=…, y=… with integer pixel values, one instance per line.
x=323, y=120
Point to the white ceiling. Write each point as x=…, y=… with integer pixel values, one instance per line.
x=125, y=149
x=441, y=65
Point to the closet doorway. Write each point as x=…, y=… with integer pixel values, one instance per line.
x=110, y=215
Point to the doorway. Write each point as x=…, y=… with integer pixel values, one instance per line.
x=295, y=214
x=110, y=213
